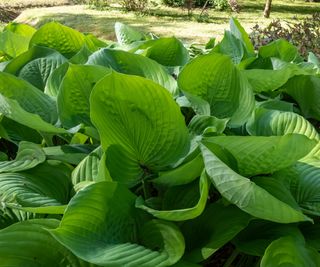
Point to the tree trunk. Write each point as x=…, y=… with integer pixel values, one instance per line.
x=267, y=9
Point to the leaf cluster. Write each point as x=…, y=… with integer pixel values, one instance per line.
x=130, y=153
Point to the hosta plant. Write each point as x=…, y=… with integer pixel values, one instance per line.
x=130, y=153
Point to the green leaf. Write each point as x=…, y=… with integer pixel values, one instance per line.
x=140, y=116
x=111, y=239
x=29, y=155
x=167, y=51
x=263, y=80
x=287, y=251
x=305, y=90
x=38, y=70
x=216, y=80
x=74, y=93
x=34, y=53
x=12, y=110
x=303, y=180
x=48, y=184
x=246, y=194
x=55, y=79
x=13, y=44
x=238, y=31
x=16, y=132
x=230, y=46
x=261, y=155
x=126, y=34
x=281, y=49
x=61, y=38
x=87, y=169
x=202, y=124
x=29, y=244
x=275, y=122
x=183, y=174
x=21, y=29
x=181, y=196
x=28, y=97
x=216, y=226
x=133, y=64
x=72, y=154
x=258, y=235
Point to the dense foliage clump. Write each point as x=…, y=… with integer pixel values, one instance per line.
x=136, y=153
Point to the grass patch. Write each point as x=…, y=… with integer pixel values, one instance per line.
x=166, y=21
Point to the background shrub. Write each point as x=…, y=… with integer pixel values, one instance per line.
x=305, y=34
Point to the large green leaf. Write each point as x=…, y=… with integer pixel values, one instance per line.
x=263, y=80
x=38, y=70
x=261, y=155
x=29, y=155
x=246, y=194
x=303, y=180
x=281, y=49
x=111, y=239
x=13, y=44
x=177, y=200
x=215, y=79
x=216, y=226
x=29, y=244
x=275, y=122
x=140, y=116
x=133, y=64
x=75, y=89
x=305, y=90
x=167, y=51
x=46, y=184
x=61, y=38
x=29, y=98
x=289, y=251
x=12, y=110
x=126, y=34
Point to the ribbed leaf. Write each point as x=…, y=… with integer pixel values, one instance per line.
x=133, y=64
x=74, y=93
x=305, y=90
x=182, y=196
x=126, y=34
x=167, y=51
x=275, y=122
x=246, y=194
x=287, y=251
x=87, y=169
x=111, y=238
x=13, y=44
x=216, y=226
x=29, y=98
x=140, y=116
x=29, y=155
x=204, y=124
x=29, y=244
x=38, y=70
x=238, y=31
x=263, y=80
x=59, y=37
x=215, y=79
x=13, y=110
x=303, y=179
x=261, y=155
x=46, y=184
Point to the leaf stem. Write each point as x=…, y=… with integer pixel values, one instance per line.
x=230, y=260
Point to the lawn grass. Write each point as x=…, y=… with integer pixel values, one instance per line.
x=166, y=21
